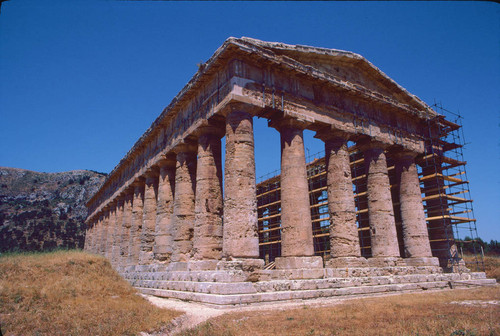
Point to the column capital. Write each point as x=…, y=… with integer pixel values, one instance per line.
x=367, y=144
x=138, y=182
x=287, y=122
x=211, y=128
x=150, y=174
x=166, y=160
x=239, y=107
x=402, y=154
x=332, y=134
x=185, y=147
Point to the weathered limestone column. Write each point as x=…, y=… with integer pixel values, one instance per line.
x=115, y=251
x=297, y=249
x=384, y=241
x=87, y=234
x=93, y=235
x=240, y=230
x=344, y=238
x=162, y=248
x=98, y=229
x=416, y=239
x=111, y=230
x=86, y=244
x=136, y=223
x=104, y=231
x=185, y=180
x=149, y=218
x=126, y=224
x=207, y=239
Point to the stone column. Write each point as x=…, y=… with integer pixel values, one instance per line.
x=384, y=241
x=87, y=237
x=97, y=234
x=344, y=238
x=111, y=230
x=104, y=231
x=162, y=248
x=136, y=223
x=93, y=235
x=240, y=230
x=126, y=224
x=297, y=249
x=149, y=218
x=115, y=251
x=416, y=239
x=207, y=240
x=185, y=179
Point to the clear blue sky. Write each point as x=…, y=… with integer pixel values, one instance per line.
x=80, y=81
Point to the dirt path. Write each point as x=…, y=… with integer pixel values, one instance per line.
x=195, y=313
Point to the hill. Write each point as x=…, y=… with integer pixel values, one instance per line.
x=71, y=293
x=43, y=211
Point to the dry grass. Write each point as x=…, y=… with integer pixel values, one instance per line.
x=429, y=313
x=71, y=293
x=492, y=267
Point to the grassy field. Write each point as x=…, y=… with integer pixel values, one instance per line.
x=71, y=293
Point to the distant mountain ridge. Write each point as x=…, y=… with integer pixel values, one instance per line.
x=43, y=211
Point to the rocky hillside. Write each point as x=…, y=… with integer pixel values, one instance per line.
x=42, y=211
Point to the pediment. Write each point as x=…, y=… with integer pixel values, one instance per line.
x=344, y=66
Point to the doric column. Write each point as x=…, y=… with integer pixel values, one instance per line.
x=207, y=240
x=87, y=237
x=185, y=179
x=164, y=210
x=97, y=234
x=111, y=230
x=136, y=223
x=126, y=224
x=104, y=231
x=240, y=230
x=344, y=238
x=384, y=241
x=93, y=235
x=115, y=251
x=296, y=225
x=149, y=218
x=415, y=237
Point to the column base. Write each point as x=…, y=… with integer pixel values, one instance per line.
x=247, y=265
x=341, y=262
x=298, y=262
x=422, y=261
x=385, y=261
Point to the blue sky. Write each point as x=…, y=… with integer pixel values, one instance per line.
x=80, y=81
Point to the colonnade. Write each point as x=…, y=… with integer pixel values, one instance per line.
x=177, y=212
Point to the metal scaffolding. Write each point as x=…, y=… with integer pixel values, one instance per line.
x=445, y=193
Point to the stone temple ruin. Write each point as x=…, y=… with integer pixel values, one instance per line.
x=174, y=226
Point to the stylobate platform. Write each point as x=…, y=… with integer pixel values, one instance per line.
x=238, y=287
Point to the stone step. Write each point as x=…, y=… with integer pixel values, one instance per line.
x=226, y=288
x=222, y=300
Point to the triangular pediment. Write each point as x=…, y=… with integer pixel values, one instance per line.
x=345, y=66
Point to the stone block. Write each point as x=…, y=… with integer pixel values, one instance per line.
x=246, y=265
x=299, y=262
x=346, y=262
x=202, y=265
x=422, y=261
x=386, y=261
x=177, y=266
